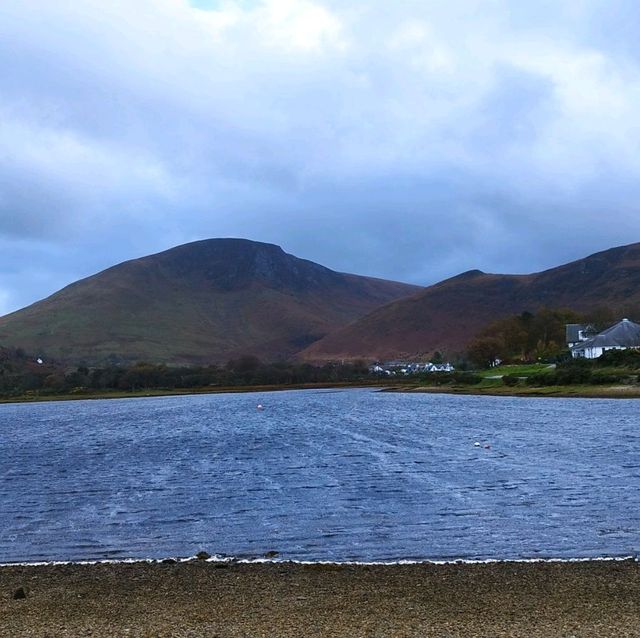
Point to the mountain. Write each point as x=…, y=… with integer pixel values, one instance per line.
x=448, y=315
x=202, y=302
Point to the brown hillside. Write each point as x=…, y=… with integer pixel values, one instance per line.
x=203, y=302
x=448, y=315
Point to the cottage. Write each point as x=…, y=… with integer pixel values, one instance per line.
x=392, y=368
x=625, y=334
x=578, y=332
x=438, y=367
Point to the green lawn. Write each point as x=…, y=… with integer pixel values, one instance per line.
x=524, y=370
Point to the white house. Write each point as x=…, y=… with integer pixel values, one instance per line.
x=623, y=335
x=395, y=367
x=578, y=332
x=438, y=367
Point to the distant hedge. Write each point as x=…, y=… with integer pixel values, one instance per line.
x=620, y=359
x=450, y=378
x=466, y=378
x=510, y=380
x=576, y=376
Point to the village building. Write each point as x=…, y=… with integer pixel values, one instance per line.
x=623, y=335
x=402, y=367
x=579, y=332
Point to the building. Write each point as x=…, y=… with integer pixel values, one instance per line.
x=621, y=336
x=392, y=368
x=578, y=332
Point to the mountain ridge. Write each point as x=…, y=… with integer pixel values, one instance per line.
x=448, y=314
x=202, y=302
x=213, y=300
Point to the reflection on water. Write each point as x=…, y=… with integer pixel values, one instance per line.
x=317, y=475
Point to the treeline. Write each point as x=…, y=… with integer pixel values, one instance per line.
x=524, y=337
x=244, y=371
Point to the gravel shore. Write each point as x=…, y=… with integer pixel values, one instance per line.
x=201, y=598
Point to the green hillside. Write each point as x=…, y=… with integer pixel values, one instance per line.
x=204, y=302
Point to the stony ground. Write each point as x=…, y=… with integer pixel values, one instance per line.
x=558, y=600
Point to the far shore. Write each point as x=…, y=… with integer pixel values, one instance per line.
x=560, y=392
x=572, y=391
x=199, y=598
x=171, y=392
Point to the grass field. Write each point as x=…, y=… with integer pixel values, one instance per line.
x=524, y=370
x=493, y=387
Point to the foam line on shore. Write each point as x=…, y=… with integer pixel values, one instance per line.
x=276, y=561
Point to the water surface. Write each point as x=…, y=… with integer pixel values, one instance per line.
x=320, y=475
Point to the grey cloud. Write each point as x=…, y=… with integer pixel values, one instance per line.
x=410, y=140
x=31, y=210
x=514, y=110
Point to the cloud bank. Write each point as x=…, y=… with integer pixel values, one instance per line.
x=409, y=140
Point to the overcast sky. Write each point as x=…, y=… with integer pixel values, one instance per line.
x=410, y=140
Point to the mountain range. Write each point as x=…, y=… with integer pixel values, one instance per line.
x=203, y=302
x=214, y=300
x=446, y=316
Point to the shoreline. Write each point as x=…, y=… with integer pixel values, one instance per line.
x=549, y=392
x=561, y=392
x=218, y=560
x=151, y=393
x=231, y=599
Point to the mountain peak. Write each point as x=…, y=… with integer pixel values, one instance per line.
x=205, y=301
x=448, y=315
x=468, y=274
x=230, y=264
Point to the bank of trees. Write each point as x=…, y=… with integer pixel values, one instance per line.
x=539, y=336
x=532, y=337
x=243, y=371
x=523, y=337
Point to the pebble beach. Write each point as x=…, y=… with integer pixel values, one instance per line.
x=207, y=598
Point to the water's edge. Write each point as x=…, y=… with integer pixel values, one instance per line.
x=285, y=561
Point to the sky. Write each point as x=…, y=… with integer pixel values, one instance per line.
x=409, y=140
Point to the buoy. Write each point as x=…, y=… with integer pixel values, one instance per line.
x=259, y=406
x=477, y=444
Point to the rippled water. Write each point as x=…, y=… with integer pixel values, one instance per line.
x=320, y=475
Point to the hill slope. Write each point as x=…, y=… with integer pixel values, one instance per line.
x=203, y=302
x=448, y=315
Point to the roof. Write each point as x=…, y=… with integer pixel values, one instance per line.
x=624, y=334
x=573, y=330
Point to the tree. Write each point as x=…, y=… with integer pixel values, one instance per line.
x=245, y=364
x=484, y=351
x=527, y=336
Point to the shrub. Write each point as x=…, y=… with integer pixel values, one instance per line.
x=437, y=378
x=510, y=380
x=621, y=358
x=572, y=364
x=573, y=376
x=603, y=378
x=543, y=379
x=466, y=378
